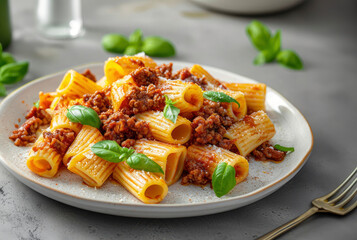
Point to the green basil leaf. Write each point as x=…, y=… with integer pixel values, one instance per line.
x=13, y=72
x=219, y=97
x=6, y=58
x=170, y=111
x=275, y=43
x=83, y=115
x=111, y=151
x=264, y=56
x=259, y=35
x=115, y=43
x=284, y=149
x=3, y=92
x=158, y=47
x=140, y=161
x=136, y=38
x=290, y=59
x=37, y=104
x=132, y=50
x=223, y=179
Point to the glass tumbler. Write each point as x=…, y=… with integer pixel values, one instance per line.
x=60, y=19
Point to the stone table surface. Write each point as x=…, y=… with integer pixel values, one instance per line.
x=322, y=32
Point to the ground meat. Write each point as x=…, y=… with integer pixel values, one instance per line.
x=185, y=75
x=249, y=120
x=142, y=99
x=98, y=101
x=209, y=131
x=59, y=140
x=164, y=70
x=27, y=132
x=144, y=76
x=128, y=143
x=208, y=108
x=195, y=172
x=120, y=127
x=88, y=74
x=39, y=113
x=267, y=152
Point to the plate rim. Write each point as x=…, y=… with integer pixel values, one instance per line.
x=218, y=202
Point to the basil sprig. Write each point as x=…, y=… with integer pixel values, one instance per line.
x=154, y=46
x=223, y=179
x=2, y=90
x=219, y=97
x=10, y=70
x=37, y=104
x=284, y=149
x=111, y=151
x=13, y=72
x=136, y=38
x=170, y=111
x=290, y=59
x=115, y=43
x=83, y=115
x=270, y=47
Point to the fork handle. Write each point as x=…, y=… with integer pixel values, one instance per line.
x=289, y=225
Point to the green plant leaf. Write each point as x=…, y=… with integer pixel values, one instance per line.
x=111, y=151
x=6, y=58
x=3, y=92
x=132, y=50
x=284, y=149
x=83, y=115
x=115, y=43
x=170, y=111
x=13, y=72
x=219, y=97
x=37, y=104
x=269, y=54
x=290, y=59
x=140, y=161
x=136, y=38
x=158, y=47
x=259, y=35
x=223, y=179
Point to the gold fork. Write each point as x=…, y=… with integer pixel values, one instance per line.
x=323, y=204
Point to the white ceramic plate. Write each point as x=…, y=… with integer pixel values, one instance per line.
x=181, y=201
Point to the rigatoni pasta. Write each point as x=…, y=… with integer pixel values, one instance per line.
x=251, y=132
x=146, y=127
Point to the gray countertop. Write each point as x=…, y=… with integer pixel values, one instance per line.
x=322, y=32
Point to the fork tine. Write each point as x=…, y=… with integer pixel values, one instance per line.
x=342, y=184
x=344, y=202
x=350, y=208
x=343, y=193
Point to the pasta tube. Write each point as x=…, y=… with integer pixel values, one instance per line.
x=188, y=97
x=59, y=120
x=254, y=94
x=164, y=130
x=251, y=132
x=147, y=187
x=93, y=169
x=118, y=67
x=86, y=137
x=119, y=90
x=200, y=72
x=233, y=110
x=170, y=157
x=43, y=161
x=210, y=156
x=75, y=84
